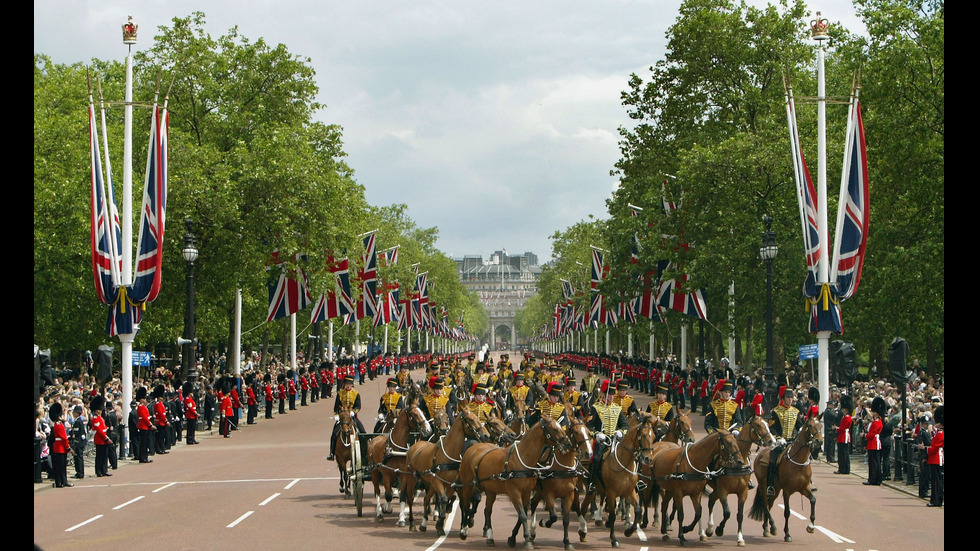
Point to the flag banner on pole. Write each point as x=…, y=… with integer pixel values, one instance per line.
x=854, y=210
x=149, y=260
x=673, y=295
x=126, y=302
x=338, y=302
x=367, y=306
x=290, y=292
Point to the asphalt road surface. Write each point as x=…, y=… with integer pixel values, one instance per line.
x=270, y=487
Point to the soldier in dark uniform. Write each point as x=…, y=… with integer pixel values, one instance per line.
x=348, y=398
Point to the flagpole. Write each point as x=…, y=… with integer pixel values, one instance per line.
x=236, y=339
x=126, y=277
x=651, y=341
x=330, y=340
x=684, y=346
x=823, y=263
x=292, y=337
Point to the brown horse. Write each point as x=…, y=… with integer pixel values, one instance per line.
x=519, y=423
x=499, y=431
x=621, y=467
x=346, y=446
x=511, y=471
x=794, y=477
x=435, y=467
x=561, y=481
x=386, y=454
x=680, y=430
x=736, y=481
x=683, y=472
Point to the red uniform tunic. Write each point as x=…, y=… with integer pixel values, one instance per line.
x=874, y=435
x=60, y=438
x=98, y=426
x=844, y=430
x=936, y=452
x=250, y=397
x=143, y=418
x=160, y=414
x=268, y=393
x=190, y=408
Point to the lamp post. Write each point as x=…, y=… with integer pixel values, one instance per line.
x=190, y=254
x=768, y=252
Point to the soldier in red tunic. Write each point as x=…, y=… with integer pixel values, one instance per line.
x=190, y=413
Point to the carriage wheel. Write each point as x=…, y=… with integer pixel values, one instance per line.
x=358, y=477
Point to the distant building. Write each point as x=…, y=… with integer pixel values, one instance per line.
x=504, y=283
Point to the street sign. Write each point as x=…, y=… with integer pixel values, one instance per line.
x=808, y=352
x=141, y=359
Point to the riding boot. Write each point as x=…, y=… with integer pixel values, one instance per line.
x=772, y=471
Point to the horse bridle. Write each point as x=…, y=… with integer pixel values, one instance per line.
x=812, y=440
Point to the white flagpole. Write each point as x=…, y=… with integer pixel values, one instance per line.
x=330, y=340
x=126, y=277
x=823, y=265
x=292, y=337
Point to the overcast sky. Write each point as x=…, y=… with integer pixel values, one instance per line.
x=496, y=121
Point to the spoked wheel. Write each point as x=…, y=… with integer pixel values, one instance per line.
x=357, y=477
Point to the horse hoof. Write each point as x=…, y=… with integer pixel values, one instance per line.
x=704, y=538
x=528, y=545
x=582, y=536
x=541, y=523
x=643, y=524
x=462, y=535
x=424, y=528
x=491, y=543
x=709, y=532
x=740, y=543
x=629, y=532
x=720, y=531
x=810, y=529
x=772, y=532
x=683, y=542
x=411, y=528
x=440, y=533
x=665, y=538
x=512, y=541
x=615, y=544
x=400, y=524
x=788, y=538
x=598, y=523
x=569, y=547
x=379, y=518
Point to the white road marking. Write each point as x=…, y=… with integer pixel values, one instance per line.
x=235, y=481
x=164, y=487
x=239, y=519
x=291, y=484
x=449, y=523
x=642, y=536
x=837, y=538
x=134, y=500
x=270, y=498
x=80, y=524
x=644, y=548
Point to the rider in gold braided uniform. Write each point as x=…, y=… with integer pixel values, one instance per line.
x=590, y=382
x=660, y=407
x=435, y=401
x=607, y=422
x=347, y=398
x=785, y=423
x=623, y=399
x=724, y=411
x=479, y=405
x=572, y=395
x=391, y=402
x=551, y=407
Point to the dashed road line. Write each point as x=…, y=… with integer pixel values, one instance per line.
x=80, y=524
x=134, y=500
x=270, y=498
x=239, y=519
x=449, y=522
x=164, y=487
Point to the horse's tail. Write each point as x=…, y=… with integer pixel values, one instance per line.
x=760, y=505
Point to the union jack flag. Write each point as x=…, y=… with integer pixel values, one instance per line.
x=854, y=211
x=126, y=313
x=597, y=308
x=673, y=295
x=367, y=306
x=288, y=294
x=338, y=302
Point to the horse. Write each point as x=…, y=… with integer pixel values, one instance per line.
x=684, y=471
x=499, y=431
x=621, y=471
x=435, y=466
x=679, y=430
x=346, y=440
x=386, y=454
x=519, y=423
x=794, y=477
x=512, y=471
x=737, y=481
x=562, y=481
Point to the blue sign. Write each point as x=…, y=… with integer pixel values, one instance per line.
x=141, y=359
x=808, y=352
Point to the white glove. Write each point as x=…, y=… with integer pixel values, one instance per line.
x=781, y=441
x=619, y=435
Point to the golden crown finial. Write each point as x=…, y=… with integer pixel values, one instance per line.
x=129, y=30
x=818, y=28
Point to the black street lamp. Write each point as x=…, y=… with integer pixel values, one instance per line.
x=768, y=252
x=190, y=254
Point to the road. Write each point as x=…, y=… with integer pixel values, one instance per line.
x=270, y=487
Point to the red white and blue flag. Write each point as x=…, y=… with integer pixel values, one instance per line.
x=367, y=307
x=673, y=295
x=338, y=302
x=290, y=292
x=854, y=210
